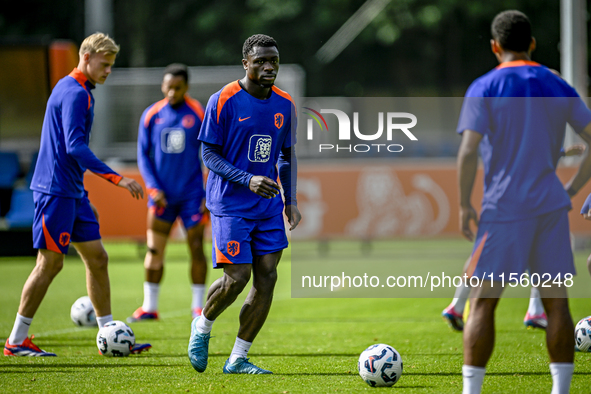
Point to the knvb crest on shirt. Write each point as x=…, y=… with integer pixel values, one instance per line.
x=259, y=148
x=278, y=120
x=173, y=140
x=188, y=121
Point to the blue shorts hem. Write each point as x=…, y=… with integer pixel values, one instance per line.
x=271, y=251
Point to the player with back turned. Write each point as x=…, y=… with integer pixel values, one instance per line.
x=535, y=317
x=63, y=213
x=248, y=137
x=516, y=114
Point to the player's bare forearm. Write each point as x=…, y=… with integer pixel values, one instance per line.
x=132, y=186
x=293, y=215
x=467, y=167
x=263, y=186
x=584, y=173
x=580, y=178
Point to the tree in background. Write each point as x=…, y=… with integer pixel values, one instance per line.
x=413, y=47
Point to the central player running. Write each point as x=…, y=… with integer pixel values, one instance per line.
x=248, y=133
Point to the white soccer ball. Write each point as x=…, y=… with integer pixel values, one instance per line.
x=583, y=334
x=115, y=339
x=82, y=312
x=380, y=365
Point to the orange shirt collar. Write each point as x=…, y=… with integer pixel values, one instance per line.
x=518, y=63
x=78, y=76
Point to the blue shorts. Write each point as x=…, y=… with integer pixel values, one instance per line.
x=61, y=220
x=189, y=211
x=237, y=240
x=540, y=245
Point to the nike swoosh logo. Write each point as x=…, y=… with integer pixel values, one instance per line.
x=242, y=119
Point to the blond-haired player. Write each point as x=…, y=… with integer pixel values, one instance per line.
x=63, y=213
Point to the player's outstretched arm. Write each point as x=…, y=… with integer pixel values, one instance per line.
x=467, y=167
x=74, y=110
x=134, y=188
x=584, y=173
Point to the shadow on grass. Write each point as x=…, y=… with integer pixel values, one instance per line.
x=459, y=374
x=162, y=355
x=355, y=355
x=226, y=355
x=316, y=374
x=531, y=373
x=459, y=353
x=72, y=344
x=410, y=387
x=303, y=355
x=11, y=372
x=93, y=366
x=516, y=373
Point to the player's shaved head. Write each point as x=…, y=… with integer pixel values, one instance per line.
x=177, y=70
x=258, y=40
x=512, y=30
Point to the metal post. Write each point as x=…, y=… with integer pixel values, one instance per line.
x=98, y=16
x=573, y=54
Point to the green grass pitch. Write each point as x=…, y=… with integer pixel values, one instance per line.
x=311, y=345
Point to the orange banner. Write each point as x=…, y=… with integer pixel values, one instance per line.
x=368, y=201
x=120, y=215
